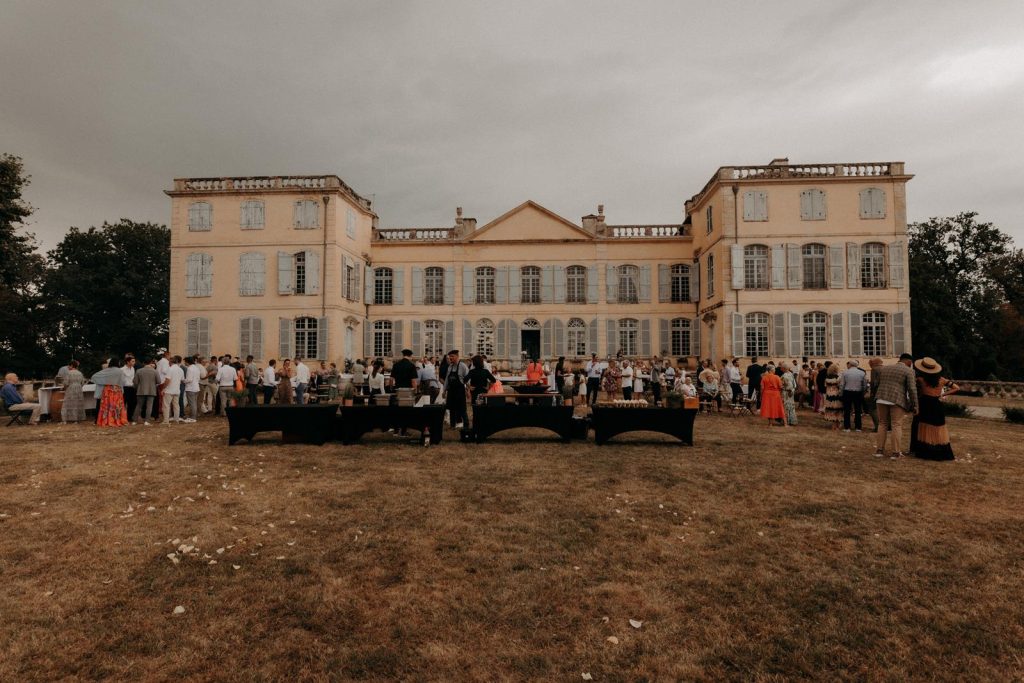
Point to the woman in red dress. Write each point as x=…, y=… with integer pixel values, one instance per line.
x=771, y=399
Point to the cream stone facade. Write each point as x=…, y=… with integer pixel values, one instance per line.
x=777, y=261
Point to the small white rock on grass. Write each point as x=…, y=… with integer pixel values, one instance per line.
x=179, y=610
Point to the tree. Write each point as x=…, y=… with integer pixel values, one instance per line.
x=958, y=303
x=21, y=270
x=107, y=291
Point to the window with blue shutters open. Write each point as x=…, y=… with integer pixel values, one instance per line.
x=529, y=285
x=252, y=217
x=576, y=285
x=873, y=333
x=306, y=214
x=298, y=273
x=200, y=217
x=433, y=286
x=307, y=338
x=383, y=286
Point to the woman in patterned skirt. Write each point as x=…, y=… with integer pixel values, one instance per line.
x=929, y=436
x=111, y=411
x=833, y=397
x=73, y=409
x=790, y=389
x=285, y=390
x=611, y=380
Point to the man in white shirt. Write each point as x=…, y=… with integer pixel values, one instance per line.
x=226, y=376
x=193, y=374
x=627, y=380
x=269, y=381
x=301, y=381
x=593, y=368
x=735, y=380
x=161, y=373
x=173, y=378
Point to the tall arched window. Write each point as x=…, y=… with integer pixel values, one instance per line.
x=874, y=333
x=433, y=338
x=200, y=216
x=382, y=345
x=305, y=338
x=872, y=266
x=755, y=266
x=814, y=266
x=433, y=286
x=530, y=284
x=680, y=282
x=575, y=285
x=484, y=337
x=577, y=337
x=679, y=344
x=629, y=284
x=814, y=334
x=485, y=285
x=756, y=326
x=629, y=330
x=383, y=286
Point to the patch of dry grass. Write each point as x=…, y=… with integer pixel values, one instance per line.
x=759, y=554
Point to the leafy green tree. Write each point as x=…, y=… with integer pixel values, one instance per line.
x=957, y=299
x=21, y=271
x=107, y=291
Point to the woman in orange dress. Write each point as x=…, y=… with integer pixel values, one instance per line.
x=771, y=398
x=111, y=410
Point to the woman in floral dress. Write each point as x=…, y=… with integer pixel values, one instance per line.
x=611, y=381
x=833, y=397
x=73, y=409
x=111, y=411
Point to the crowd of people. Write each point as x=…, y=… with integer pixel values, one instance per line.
x=173, y=389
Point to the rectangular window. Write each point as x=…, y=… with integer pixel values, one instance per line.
x=755, y=267
x=711, y=275
x=874, y=334
x=350, y=282
x=433, y=338
x=814, y=266
x=350, y=223
x=680, y=341
x=383, y=286
x=382, y=339
x=300, y=273
x=305, y=338
x=629, y=285
x=680, y=283
x=872, y=266
x=710, y=219
x=433, y=286
x=576, y=285
x=814, y=334
x=628, y=337
x=530, y=284
x=485, y=285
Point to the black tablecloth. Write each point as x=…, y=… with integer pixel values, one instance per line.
x=489, y=419
x=358, y=420
x=677, y=422
x=307, y=424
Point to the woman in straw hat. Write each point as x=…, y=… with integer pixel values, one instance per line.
x=929, y=437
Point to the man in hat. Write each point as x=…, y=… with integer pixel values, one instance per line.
x=852, y=383
x=896, y=396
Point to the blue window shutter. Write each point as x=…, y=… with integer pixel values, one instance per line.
x=547, y=284
x=417, y=343
x=449, y=286
x=501, y=338
x=355, y=288
x=558, y=344
x=645, y=337
x=612, y=285
x=467, y=338
x=896, y=267
x=286, y=334
x=256, y=339
x=193, y=265
x=559, y=285
x=664, y=283
x=322, y=329
x=244, y=276
x=778, y=280
x=856, y=337
x=547, y=335
x=779, y=335
x=852, y=266
x=297, y=215
x=664, y=338
x=468, y=285
x=695, y=282
x=514, y=285
x=748, y=205
x=695, y=337
x=368, y=282
x=593, y=295
x=398, y=297
x=501, y=285
x=836, y=266
x=449, y=335
x=397, y=338
x=794, y=267
x=796, y=345
x=739, y=336
x=736, y=258
x=818, y=210
x=192, y=336
x=592, y=336
x=513, y=340
x=837, y=335
x=417, y=286
x=367, y=339
x=312, y=272
x=285, y=273
x=612, y=333
x=645, y=284
x=899, y=334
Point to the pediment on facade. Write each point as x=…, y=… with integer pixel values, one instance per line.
x=529, y=222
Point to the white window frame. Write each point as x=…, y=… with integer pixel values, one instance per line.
x=484, y=281
x=629, y=336
x=810, y=260
x=576, y=337
x=483, y=337
x=681, y=334
x=873, y=269
x=756, y=327
x=433, y=286
x=433, y=338
x=529, y=285
x=629, y=283
x=306, y=337
x=383, y=286
x=576, y=285
x=755, y=267
x=814, y=329
x=383, y=339
x=874, y=332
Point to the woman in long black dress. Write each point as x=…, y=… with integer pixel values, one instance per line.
x=929, y=437
x=479, y=379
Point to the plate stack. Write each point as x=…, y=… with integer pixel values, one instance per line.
x=405, y=397
x=382, y=399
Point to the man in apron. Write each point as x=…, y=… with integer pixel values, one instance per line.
x=455, y=389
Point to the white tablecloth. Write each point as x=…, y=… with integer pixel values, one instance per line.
x=46, y=393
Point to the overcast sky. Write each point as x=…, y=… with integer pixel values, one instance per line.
x=425, y=106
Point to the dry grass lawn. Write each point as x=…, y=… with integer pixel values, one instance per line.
x=757, y=555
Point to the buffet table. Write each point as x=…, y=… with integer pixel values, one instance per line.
x=44, y=394
x=298, y=424
x=608, y=422
x=489, y=419
x=355, y=421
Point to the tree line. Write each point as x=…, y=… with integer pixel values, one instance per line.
x=105, y=291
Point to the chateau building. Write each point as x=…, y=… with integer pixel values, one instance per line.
x=776, y=261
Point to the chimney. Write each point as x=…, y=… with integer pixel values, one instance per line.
x=469, y=224
x=781, y=161
x=591, y=222
x=458, y=215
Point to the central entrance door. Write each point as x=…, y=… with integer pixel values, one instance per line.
x=530, y=340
